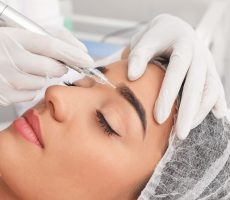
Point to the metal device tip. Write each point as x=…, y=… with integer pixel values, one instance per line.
x=110, y=84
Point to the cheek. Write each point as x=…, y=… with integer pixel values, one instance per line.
x=89, y=156
x=94, y=156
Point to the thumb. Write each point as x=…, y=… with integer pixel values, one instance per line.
x=138, y=61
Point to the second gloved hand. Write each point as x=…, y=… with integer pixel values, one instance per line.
x=189, y=59
x=27, y=58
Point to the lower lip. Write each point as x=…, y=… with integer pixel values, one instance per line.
x=25, y=130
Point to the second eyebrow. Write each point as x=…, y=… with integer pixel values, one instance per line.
x=125, y=92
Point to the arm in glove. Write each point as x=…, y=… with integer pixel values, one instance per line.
x=189, y=59
x=26, y=59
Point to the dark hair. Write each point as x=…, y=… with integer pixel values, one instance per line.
x=102, y=69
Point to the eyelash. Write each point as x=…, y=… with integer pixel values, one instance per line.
x=68, y=83
x=104, y=124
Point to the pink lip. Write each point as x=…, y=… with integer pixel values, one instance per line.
x=29, y=128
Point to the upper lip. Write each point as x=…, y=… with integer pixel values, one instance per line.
x=33, y=121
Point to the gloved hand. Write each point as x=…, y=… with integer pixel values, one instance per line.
x=26, y=59
x=171, y=37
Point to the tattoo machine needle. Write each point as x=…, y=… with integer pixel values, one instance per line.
x=95, y=74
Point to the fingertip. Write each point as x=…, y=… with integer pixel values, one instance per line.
x=220, y=109
x=81, y=46
x=182, y=135
x=136, y=68
x=162, y=108
x=158, y=113
x=182, y=132
x=86, y=62
x=77, y=43
x=219, y=113
x=132, y=75
x=131, y=69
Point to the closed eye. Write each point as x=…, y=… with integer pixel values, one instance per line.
x=105, y=125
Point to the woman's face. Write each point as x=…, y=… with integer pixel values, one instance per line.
x=95, y=145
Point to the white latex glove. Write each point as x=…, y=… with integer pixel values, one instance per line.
x=171, y=37
x=26, y=59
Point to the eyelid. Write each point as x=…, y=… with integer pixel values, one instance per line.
x=105, y=124
x=122, y=117
x=115, y=115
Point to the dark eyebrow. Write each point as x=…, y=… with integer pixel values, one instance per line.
x=129, y=96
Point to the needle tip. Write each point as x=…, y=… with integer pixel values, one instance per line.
x=113, y=86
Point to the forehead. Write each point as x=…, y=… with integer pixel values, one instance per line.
x=146, y=88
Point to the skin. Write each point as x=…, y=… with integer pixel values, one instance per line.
x=80, y=160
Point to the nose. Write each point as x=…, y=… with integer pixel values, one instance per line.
x=55, y=100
